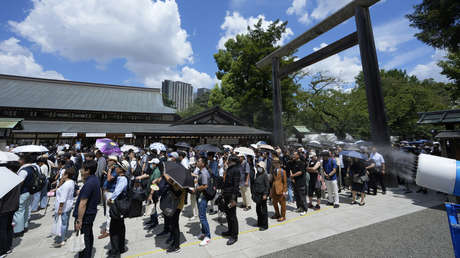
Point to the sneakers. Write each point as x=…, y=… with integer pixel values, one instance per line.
x=59, y=245
x=302, y=213
x=231, y=241
x=173, y=250
x=205, y=241
x=317, y=207
x=336, y=206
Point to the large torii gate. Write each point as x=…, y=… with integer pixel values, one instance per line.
x=363, y=36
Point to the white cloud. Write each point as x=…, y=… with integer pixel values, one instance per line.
x=391, y=34
x=187, y=74
x=322, y=10
x=235, y=24
x=147, y=34
x=431, y=69
x=326, y=7
x=342, y=67
x=18, y=60
x=405, y=57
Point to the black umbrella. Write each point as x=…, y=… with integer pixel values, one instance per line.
x=182, y=144
x=207, y=148
x=179, y=174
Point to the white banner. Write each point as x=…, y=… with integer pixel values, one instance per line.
x=128, y=135
x=69, y=134
x=95, y=134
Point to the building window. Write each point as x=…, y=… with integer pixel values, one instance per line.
x=63, y=115
x=79, y=115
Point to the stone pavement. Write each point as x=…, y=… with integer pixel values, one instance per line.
x=296, y=230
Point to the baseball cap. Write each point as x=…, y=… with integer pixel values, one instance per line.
x=154, y=161
x=174, y=155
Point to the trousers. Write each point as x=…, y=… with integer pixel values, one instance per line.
x=299, y=194
x=202, y=206
x=332, y=191
x=246, y=194
x=279, y=201
x=117, y=235
x=262, y=214
x=87, y=231
x=232, y=220
x=6, y=232
x=22, y=215
x=174, y=228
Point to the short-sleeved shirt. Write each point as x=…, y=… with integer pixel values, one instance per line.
x=328, y=166
x=91, y=191
x=64, y=194
x=299, y=165
x=378, y=158
x=203, y=176
x=110, y=185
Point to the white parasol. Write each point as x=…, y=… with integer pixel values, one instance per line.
x=30, y=148
x=8, y=156
x=9, y=181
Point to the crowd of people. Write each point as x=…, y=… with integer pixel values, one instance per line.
x=81, y=181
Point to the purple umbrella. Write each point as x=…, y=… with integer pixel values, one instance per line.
x=107, y=146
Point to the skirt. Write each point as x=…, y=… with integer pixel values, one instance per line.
x=362, y=188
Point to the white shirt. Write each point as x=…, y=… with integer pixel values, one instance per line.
x=378, y=159
x=64, y=194
x=133, y=164
x=45, y=170
x=184, y=162
x=61, y=173
x=221, y=167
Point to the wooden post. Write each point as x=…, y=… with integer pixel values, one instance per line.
x=375, y=104
x=278, y=138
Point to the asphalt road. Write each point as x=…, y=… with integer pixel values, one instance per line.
x=420, y=234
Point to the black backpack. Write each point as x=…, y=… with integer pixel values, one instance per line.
x=37, y=179
x=211, y=190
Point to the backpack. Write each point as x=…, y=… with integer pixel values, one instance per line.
x=37, y=179
x=211, y=190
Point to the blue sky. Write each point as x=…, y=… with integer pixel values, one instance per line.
x=142, y=42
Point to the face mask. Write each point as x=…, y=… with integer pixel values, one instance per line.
x=151, y=166
x=260, y=169
x=169, y=159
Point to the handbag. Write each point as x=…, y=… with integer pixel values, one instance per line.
x=57, y=226
x=365, y=178
x=77, y=243
x=168, y=203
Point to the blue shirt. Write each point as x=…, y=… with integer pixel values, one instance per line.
x=110, y=185
x=328, y=166
x=213, y=165
x=122, y=183
x=91, y=191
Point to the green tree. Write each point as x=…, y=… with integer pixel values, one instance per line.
x=168, y=102
x=200, y=104
x=246, y=90
x=405, y=96
x=451, y=69
x=439, y=25
x=438, y=22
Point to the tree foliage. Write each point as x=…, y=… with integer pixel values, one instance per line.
x=199, y=105
x=246, y=90
x=439, y=25
x=438, y=22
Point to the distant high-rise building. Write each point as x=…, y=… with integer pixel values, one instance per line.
x=202, y=91
x=179, y=92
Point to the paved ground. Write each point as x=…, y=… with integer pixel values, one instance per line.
x=297, y=230
x=421, y=234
